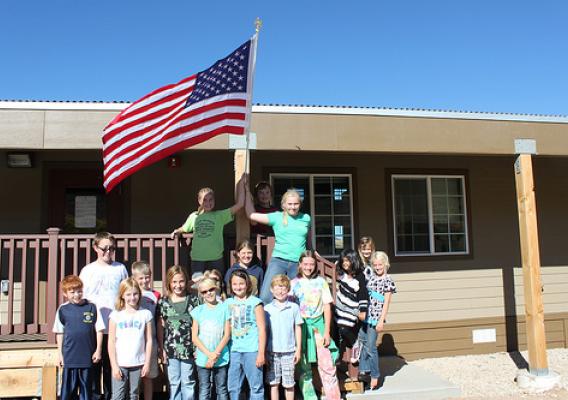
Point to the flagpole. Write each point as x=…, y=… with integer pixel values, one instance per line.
x=242, y=157
x=250, y=83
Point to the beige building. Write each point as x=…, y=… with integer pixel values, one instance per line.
x=435, y=189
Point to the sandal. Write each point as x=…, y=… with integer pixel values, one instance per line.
x=375, y=386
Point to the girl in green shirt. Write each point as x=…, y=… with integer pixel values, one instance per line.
x=207, y=225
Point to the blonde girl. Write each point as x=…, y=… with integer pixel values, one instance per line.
x=248, y=335
x=366, y=248
x=216, y=275
x=291, y=228
x=211, y=332
x=247, y=260
x=174, y=333
x=190, y=221
x=129, y=342
x=207, y=226
x=312, y=294
x=380, y=288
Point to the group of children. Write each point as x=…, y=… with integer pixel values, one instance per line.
x=225, y=332
x=109, y=315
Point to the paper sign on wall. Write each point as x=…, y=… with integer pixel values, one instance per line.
x=85, y=211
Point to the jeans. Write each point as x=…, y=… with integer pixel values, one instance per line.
x=276, y=266
x=369, y=360
x=76, y=378
x=220, y=378
x=180, y=376
x=129, y=384
x=244, y=364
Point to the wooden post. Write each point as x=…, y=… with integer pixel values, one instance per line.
x=534, y=309
x=241, y=167
x=52, y=280
x=49, y=382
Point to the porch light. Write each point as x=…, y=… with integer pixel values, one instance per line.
x=174, y=162
x=19, y=160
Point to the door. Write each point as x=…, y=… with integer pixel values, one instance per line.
x=77, y=202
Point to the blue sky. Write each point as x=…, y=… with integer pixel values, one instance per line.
x=498, y=55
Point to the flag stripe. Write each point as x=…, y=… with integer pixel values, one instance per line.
x=179, y=128
x=158, y=94
x=147, y=130
x=149, y=110
x=186, y=116
x=142, y=127
x=112, y=179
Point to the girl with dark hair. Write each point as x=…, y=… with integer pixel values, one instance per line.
x=262, y=194
x=350, y=305
x=247, y=261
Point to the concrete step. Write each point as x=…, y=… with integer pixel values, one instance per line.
x=404, y=381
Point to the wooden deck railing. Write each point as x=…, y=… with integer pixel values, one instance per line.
x=265, y=245
x=31, y=267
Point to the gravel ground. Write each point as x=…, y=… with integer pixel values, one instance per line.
x=492, y=376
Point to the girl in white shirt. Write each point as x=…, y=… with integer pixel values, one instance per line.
x=130, y=341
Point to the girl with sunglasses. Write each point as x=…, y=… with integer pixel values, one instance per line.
x=211, y=332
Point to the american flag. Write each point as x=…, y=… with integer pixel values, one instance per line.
x=174, y=117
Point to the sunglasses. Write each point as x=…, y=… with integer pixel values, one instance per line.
x=212, y=289
x=105, y=249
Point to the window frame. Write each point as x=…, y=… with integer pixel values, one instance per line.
x=311, y=176
x=391, y=176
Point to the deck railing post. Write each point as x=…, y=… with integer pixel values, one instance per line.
x=176, y=249
x=52, y=281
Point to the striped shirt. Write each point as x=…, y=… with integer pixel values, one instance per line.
x=352, y=298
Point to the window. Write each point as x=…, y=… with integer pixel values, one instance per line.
x=328, y=199
x=430, y=216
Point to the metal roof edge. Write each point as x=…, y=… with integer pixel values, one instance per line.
x=417, y=113
x=301, y=109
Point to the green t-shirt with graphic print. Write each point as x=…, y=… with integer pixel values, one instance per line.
x=207, y=244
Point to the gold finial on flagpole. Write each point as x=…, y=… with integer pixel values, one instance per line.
x=257, y=24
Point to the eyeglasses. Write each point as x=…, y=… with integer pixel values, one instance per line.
x=105, y=249
x=211, y=289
